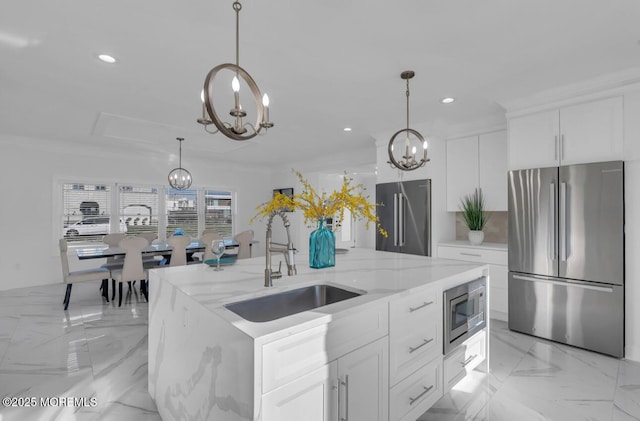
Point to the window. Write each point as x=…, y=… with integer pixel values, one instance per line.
x=86, y=212
x=182, y=212
x=142, y=209
x=139, y=209
x=217, y=211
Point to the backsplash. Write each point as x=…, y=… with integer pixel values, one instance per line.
x=496, y=230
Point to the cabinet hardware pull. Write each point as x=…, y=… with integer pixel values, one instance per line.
x=426, y=390
x=424, y=342
x=345, y=383
x=555, y=149
x=470, y=254
x=423, y=305
x=468, y=360
x=336, y=388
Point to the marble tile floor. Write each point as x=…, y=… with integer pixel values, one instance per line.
x=98, y=351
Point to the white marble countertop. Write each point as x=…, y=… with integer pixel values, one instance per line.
x=379, y=274
x=484, y=245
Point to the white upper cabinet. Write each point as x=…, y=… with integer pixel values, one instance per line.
x=492, y=169
x=462, y=170
x=592, y=132
x=478, y=162
x=533, y=140
x=588, y=132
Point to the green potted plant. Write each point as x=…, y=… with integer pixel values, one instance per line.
x=475, y=217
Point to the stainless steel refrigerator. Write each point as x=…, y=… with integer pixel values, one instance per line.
x=406, y=215
x=566, y=254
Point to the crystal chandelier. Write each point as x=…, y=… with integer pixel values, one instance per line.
x=180, y=178
x=413, y=141
x=237, y=129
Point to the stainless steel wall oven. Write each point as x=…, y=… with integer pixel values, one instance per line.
x=464, y=312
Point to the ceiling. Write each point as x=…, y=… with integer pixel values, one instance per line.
x=325, y=64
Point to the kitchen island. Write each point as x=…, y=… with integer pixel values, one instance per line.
x=356, y=355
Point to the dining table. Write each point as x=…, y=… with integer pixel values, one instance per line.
x=102, y=251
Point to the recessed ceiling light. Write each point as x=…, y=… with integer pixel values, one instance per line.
x=107, y=58
x=447, y=100
x=347, y=129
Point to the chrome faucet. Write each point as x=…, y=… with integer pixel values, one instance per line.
x=286, y=249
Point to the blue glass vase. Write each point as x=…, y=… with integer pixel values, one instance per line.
x=322, y=247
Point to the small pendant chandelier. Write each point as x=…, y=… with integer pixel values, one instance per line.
x=238, y=130
x=180, y=178
x=413, y=141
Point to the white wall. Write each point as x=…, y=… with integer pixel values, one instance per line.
x=326, y=181
x=31, y=215
x=632, y=223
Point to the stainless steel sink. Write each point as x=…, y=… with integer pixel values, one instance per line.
x=275, y=306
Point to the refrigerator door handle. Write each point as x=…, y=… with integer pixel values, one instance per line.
x=401, y=219
x=582, y=285
x=395, y=219
x=554, y=222
x=563, y=221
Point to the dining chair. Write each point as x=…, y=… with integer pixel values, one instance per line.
x=207, y=239
x=69, y=278
x=149, y=236
x=113, y=262
x=244, y=239
x=151, y=261
x=133, y=269
x=179, y=245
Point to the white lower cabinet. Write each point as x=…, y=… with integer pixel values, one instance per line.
x=311, y=397
x=381, y=364
x=464, y=358
x=414, y=395
x=363, y=383
x=353, y=388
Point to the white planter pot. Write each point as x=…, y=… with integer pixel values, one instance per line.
x=476, y=237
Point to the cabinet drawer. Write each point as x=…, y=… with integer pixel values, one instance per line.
x=471, y=254
x=417, y=393
x=289, y=358
x=355, y=330
x=464, y=358
x=413, y=346
x=415, y=308
x=292, y=357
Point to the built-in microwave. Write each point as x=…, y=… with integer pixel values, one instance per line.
x=464, y=312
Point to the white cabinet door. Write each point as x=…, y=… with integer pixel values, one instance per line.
x=311, y=397
x=591, y=132
x=576, y=134
x=364, y=383
x=533, y=140
x=492, y=168
x=462, y=170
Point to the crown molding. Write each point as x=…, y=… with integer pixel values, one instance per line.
x=602, y=86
